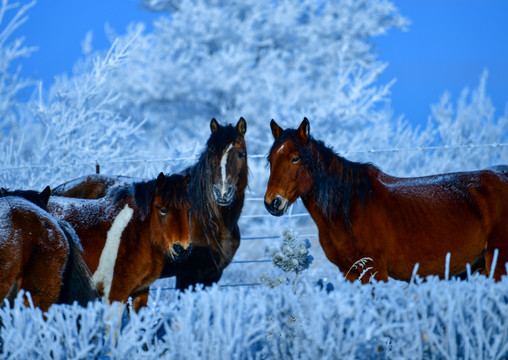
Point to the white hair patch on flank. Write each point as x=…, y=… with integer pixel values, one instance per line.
x=105, y=270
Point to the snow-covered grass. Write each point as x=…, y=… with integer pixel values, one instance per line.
x=395, y=320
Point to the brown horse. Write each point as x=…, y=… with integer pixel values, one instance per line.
x=218, y=183
x=39, y=253
x=363, y=213
x=128, y=234
x=217, y=191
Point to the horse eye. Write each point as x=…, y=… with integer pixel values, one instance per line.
x=241, y=154
x=295, y=160
x=163, y=211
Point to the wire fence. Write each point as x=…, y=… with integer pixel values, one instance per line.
x=293, y=218
x=255, y=156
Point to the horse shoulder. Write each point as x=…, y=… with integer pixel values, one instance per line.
x=334, y=236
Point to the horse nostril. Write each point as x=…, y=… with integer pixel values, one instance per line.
x=180, y=252
x=178, y=249
x=276, y=203
x=216, y=191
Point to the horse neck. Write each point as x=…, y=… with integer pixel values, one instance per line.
x=338, y=184
x=212, y=223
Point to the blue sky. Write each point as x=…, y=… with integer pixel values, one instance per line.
x=448, y=45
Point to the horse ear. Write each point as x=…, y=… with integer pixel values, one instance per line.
x=304, y=130
x=45, y=194
x=187, y=179
x=160, y=180
x=276, y=129
x=241, y=126
x=214, y=125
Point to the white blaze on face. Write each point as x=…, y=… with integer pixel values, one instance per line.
x=223, y=163
x=105, y=270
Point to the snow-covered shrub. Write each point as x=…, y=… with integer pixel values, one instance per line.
x=395, y=320
x=292, y=257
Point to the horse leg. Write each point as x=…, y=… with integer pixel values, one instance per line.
x=9, y=293
x=500, y=243
x=199, y=268
x=43, y=276
x=140, y=299
x=10, y=281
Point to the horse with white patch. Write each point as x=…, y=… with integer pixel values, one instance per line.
x=128, y=234
x=217, y=191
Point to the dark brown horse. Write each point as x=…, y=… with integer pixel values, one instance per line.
x=217, y=187
x=39, y=253
x=128, y=234
x=363, y=213
x=217, y=190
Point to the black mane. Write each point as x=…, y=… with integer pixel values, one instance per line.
x=337, y=181
x=30, y=195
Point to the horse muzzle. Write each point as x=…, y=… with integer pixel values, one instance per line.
x=277, y=206
x=179, y=253
x=224, y=196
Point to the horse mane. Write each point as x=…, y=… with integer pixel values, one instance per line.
x=337, y=181
x=30, y=195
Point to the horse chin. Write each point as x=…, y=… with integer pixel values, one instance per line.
x=225, y=200
x=179, y=254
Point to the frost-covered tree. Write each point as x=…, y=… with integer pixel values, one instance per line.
x=12, y=16
x=265, y=59
x=73, y=125
x=259, y=59
x=466, y=128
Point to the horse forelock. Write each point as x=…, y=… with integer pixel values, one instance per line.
x=336, y=180
x=220, y=140
x=173, y=192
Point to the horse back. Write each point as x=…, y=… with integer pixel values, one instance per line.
x=421, y=219
x=90, y=219
x=91, y=186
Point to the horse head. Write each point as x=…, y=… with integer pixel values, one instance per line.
x=290, y=177
x=227, y=155
x=169, y=222
x=38, y=198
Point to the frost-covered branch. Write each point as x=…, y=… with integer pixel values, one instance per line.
x=11, y=50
